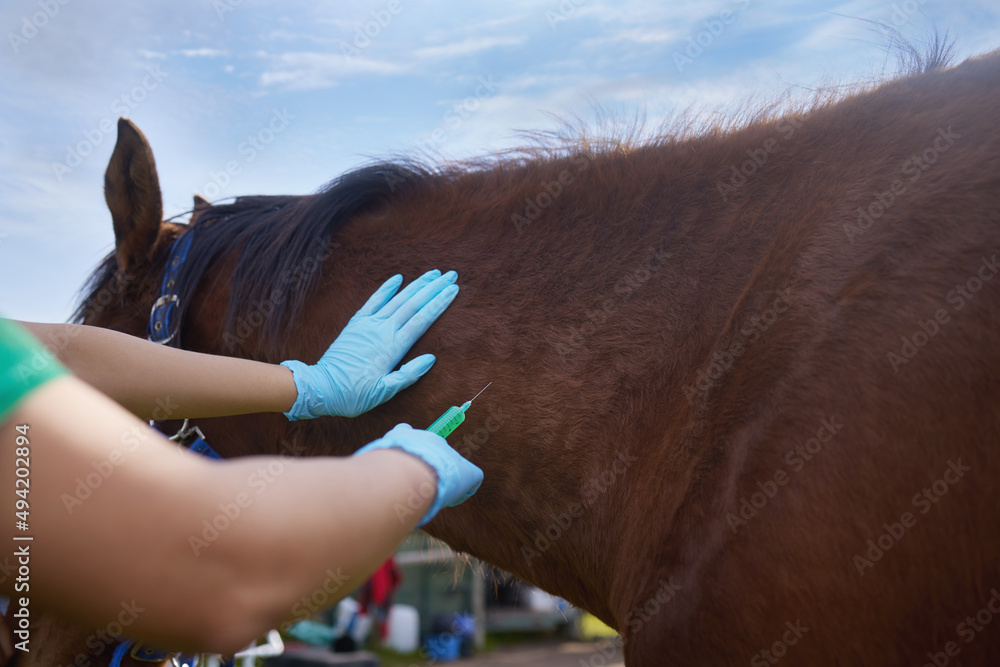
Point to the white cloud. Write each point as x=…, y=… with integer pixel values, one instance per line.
x=652, y=12
x=311, y=70
x=636, y=36
x=203, y=53
x=493, y=23
x=465, y=47
x=444, y=32
x=538, y=81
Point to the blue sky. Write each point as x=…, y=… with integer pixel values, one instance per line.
x=255, y=97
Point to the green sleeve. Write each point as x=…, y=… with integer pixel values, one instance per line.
x=25, y=365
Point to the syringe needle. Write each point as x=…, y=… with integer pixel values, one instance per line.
x=481, y=391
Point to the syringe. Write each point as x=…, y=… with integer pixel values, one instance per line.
x=452, y=417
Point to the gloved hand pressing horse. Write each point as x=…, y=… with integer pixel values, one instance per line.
x=356, y=372
x=458, y=478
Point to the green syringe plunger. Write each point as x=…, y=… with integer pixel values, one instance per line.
x=452, y=417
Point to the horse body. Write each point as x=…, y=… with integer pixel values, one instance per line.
x=721, y=406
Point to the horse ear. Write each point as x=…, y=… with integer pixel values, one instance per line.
x=132, y=191
x=200, y=206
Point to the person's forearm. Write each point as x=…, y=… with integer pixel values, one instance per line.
x=213, y=553
x=160, y=382
x=324, y=525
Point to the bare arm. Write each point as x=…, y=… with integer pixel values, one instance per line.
x=353, y=376
x=283, y=528
x=159, y=382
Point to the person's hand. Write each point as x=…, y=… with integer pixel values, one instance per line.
x=356, y=372
x=458, y=478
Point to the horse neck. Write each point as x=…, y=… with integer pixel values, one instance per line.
x=575, y=326
x=581, y=320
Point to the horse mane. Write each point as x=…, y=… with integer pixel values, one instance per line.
x=281, y=243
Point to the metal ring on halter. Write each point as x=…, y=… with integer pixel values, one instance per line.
x=199, y=445
x=159, y=318
x=163, y=326
x=165, y=299
x=185, y=431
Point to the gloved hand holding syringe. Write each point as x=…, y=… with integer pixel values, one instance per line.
x=458, y=478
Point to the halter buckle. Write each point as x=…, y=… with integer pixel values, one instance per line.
x=160, y=330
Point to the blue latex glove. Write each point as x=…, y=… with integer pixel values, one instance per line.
x=458, y=478
x=355, y=374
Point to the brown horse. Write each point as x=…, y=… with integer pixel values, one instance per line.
x=745, y=403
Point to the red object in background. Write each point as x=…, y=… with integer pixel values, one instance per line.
x=375, y=597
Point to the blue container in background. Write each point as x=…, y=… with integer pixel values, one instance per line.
x=444, y=647
x=464, y=625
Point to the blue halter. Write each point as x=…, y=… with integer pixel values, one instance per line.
x=164, y=326
x=163, y=323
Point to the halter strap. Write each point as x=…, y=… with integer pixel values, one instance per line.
x=120, y=651
x=163, y=322
x=164, y=327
